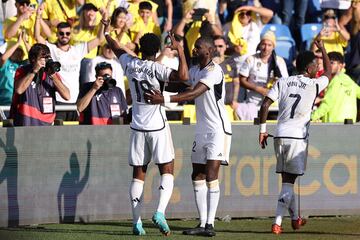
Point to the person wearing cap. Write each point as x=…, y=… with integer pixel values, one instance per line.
x=257, y=75
x=101, y=102
x=334, y=36
x=57, y=11
x=24, y=21
x=70, y=57
x=87, y=30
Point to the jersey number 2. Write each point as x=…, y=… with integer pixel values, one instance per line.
x=293, y=107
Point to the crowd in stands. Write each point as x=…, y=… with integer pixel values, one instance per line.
x=252, y=46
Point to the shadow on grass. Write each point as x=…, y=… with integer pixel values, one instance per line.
x=66, y=230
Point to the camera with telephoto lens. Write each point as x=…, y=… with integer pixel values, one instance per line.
x=109, y=82
x=52, y=66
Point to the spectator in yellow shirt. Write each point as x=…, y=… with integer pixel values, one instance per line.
x=56, y=11
x=86, y=31
x=120, y=29
x=24, y=21
x=144, y=24
x=335, y=37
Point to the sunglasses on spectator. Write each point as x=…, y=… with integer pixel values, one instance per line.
x=329, y=17
x=248, y=13
x=64, y=33
x=219, y=46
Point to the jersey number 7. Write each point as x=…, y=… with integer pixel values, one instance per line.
x=293, y=107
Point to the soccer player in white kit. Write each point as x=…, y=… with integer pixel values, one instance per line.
x=296, y=96
x=211, y=147
x=150, y=133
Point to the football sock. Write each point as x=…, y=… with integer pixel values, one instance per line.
x=214, y=196
x=136, y=194
x=166, y=188
x=285, y=196
x=200, y=190
x=293, y=211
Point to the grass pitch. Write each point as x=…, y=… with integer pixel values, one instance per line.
x=344, y=227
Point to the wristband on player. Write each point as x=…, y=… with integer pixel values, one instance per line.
x=166, y=99
x=262, y=127
x=106, y=33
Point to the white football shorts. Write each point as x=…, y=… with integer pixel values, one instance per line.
x=146, y=146
x=291, y=155
x=211, y=146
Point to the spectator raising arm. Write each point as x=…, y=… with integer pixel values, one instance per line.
x=10, y=50
x=12, y=29
x=169, y=10
x=265, y=14
x=100, y=36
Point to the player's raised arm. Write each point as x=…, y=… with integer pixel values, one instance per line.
x=327, y=65
x=264, y=111
x=182, y=73
x=115, y=47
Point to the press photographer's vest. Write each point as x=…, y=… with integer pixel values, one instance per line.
x=35, y=106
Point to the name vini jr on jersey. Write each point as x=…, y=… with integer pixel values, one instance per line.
x=296, y=84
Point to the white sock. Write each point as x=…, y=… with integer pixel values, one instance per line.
x=293, y=211
x=214, y=196
x=200, y=190
x=166, y=188
x=136, y=195
x=285, y=196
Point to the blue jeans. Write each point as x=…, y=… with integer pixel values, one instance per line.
x=293, y=15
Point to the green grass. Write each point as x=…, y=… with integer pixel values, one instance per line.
x=345, y=227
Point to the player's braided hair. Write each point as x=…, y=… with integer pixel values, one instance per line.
x=149, y=44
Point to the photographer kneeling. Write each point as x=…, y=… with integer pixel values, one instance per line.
x=35, y=84
x=101, y=102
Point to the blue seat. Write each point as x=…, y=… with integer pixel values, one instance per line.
x=308, y=32
x=286, y=49
x=1, y=33
x=281, y=31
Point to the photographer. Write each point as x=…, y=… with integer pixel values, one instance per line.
x=34, y=89
x=101, y=102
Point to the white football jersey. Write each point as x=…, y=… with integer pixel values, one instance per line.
x=257, y=72
x=211, y=115
x=144, y=75
x=296, y=95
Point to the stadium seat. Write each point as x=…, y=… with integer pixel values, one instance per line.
x=308, y=32
x=281, y=31
x=1, y=34
x=286, y=48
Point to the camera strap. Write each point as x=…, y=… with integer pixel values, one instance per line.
x=62, y=9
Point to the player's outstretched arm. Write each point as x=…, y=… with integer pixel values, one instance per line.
x=327, y=65
x=182, y=74
x=112, y=43
x=264, y=111
x=157, y=98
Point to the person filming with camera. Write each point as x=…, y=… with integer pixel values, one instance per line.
x=101, y=102
x=35, y=85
